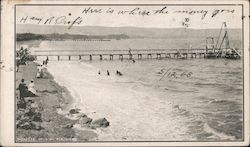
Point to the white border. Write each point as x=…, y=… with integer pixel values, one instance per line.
x=7, y=80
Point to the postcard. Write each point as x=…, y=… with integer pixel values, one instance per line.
x=124, y=73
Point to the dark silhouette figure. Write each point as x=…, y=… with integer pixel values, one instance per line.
x=47, y=60
x=22, y=89
x=118, y=73
x=108, y=72
x=129, y=51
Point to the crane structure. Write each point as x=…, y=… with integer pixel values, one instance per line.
x=222, y=47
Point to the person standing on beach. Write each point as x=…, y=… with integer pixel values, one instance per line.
x=17, y=62
x=44, y=68
x=31, y=88
x=17, y=65
x=40, y=71
x=47, y=61
x=108, y=72
x=22, y=89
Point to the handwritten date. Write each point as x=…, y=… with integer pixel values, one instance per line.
x=174, y=74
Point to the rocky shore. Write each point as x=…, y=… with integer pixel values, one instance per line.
x=38, y=120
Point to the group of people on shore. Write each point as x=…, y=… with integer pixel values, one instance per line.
x=30, y=91
x=26, y=91
x=42, y=68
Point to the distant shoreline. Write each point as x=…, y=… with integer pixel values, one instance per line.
x=66, y=36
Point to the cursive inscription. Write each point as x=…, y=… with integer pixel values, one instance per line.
x=77, y=19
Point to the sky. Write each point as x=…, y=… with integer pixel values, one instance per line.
x=162, y=16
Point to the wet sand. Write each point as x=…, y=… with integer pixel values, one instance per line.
x=51, y=97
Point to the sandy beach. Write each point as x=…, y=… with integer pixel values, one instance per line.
x=51, y=98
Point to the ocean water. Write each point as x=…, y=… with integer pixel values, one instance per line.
x=125, y=44
x=157, y=100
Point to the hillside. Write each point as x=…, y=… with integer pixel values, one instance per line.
x=132, y=32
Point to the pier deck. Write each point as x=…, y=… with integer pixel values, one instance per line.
x=129, y=54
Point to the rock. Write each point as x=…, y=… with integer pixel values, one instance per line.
x=47, y=120
x=25, y=119
x=19, y=113
x=26, y=126
x=29, y=100
x=73, y=111
x=68, y=126
x=21, y=105
x=31, y=112
x=76, y=116
x=34, y=105
x=102, y=122
x=18, y=123
x=83, y=121
x=176, y=106
x=37, y=117
x=80, y=115
x=23, y=122
x=58, y=106
x=36, y=126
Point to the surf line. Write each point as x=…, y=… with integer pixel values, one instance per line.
x=165, y=73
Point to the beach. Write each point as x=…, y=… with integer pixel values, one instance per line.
x=51, y=98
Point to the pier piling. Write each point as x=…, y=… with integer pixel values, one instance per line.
x=121, y=57
x=149, y=56
x=130, y=56
x=169, y=55
x=158, y=56
x=111, y=57
x=139, y=56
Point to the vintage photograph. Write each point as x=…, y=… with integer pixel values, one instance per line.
x=129, y=73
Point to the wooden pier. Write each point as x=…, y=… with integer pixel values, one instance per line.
x=127, y=54
x=124, y=54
